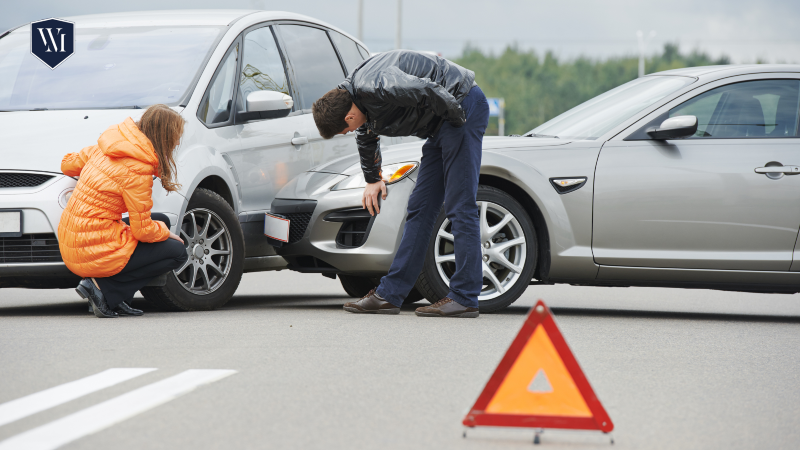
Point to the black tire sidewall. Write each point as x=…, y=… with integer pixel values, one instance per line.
x=437, y=288
x=174, y=294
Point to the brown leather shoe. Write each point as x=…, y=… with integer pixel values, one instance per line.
x=447, y=307
x=371, y=304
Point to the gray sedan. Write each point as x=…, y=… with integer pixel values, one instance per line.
x=684, y=178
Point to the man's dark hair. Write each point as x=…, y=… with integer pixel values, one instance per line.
x=330, y=110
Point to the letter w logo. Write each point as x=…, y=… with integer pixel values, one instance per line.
x=52, y=41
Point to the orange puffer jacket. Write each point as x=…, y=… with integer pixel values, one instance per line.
x=116, y=176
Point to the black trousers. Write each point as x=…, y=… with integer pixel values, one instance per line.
x=148, y=261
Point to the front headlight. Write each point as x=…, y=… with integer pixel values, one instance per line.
x=391, y=173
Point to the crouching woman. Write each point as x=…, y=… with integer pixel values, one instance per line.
x=116, y=258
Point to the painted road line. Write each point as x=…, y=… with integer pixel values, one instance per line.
x=103, y=415
x=40, y=401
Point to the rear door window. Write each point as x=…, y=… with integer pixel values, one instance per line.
x=750, y=109
x=348, y=51
x=314, y=62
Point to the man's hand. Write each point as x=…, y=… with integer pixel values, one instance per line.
x=370, y=198
x=175, y=236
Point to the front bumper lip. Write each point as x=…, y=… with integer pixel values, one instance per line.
x=374, y=257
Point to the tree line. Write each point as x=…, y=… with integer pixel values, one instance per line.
x=536, y=89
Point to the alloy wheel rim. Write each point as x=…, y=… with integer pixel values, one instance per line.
x=503, y=250
x=209, y=246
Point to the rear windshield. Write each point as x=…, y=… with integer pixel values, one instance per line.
x=111, y=68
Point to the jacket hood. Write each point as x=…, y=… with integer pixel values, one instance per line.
x=125, y=140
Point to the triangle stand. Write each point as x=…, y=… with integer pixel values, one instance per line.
x=539, y=384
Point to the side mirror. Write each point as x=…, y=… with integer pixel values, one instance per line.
x=265, y=105
x=674, y=127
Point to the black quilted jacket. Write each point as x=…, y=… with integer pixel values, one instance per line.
x=404, y=93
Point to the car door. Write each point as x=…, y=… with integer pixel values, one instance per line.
x=273, y=151
x=317, y=68
x=699, y=202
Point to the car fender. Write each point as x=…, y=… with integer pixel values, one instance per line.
x=194, y=164
x=568, y=217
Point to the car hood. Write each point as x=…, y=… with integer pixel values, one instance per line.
x=38, y=140
x=412, y=151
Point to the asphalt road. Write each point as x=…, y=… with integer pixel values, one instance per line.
x=674, y=369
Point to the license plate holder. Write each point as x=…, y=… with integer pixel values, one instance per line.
x=276, y=228
x=10, y=222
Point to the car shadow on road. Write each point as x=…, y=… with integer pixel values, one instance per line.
x=45, y=309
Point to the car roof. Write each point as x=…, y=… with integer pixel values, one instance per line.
x=186, y=17
x=730, y=70
x=190, y=17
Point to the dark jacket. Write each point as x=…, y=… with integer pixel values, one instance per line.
x=404, y=93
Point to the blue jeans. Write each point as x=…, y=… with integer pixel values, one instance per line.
x=451, y=162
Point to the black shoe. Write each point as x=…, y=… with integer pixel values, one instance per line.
x=125, y=310
x=86, y=289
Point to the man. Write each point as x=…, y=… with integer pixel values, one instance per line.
x=403, y=93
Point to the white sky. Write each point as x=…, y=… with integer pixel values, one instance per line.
x=745, y=30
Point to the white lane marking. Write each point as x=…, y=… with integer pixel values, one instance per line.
x=103, y=415
x=48, y=398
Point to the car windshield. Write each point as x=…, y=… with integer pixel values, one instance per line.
x=111, y=68
x=599, y=115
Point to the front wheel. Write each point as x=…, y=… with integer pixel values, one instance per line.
x=508, y=247
x=215, y=244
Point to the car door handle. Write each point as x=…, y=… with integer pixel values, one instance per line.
x=788, y=170
x=300, y=140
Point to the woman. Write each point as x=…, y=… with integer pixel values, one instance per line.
x=117, y=258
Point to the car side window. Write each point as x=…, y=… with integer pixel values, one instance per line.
x=348, y=51
x=262, y=65
x=217, y=103
x=755, y=109
x=316, y=66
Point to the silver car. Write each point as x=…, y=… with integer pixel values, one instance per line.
x=684, y=178
x=243, y=80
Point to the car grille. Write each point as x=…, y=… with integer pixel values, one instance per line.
x=29, y=248
x=15, y=179
x=297, y=225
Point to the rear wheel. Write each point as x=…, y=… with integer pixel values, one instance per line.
x=358, y=287
x=215, y=245
x=509, y=249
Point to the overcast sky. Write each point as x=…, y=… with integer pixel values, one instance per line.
x=745, y=30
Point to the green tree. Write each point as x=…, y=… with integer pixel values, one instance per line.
x=536, y=89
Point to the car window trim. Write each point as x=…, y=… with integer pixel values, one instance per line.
x=237, y=41
x=338, y=52
x=289, y=57
x=284, y=60
x=651, y=118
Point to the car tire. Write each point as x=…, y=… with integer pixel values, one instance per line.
x=215, y=244
x=358, y=287
x=433, y=282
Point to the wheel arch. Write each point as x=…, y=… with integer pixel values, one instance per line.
x=217, y=184
x=539, y=223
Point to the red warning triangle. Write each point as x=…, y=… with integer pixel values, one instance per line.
x=539, y=384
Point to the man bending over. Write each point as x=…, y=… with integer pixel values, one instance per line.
x=406, y=93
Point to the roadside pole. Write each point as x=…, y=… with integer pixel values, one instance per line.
x=497, y=107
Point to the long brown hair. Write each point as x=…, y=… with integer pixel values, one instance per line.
x=164, y=128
